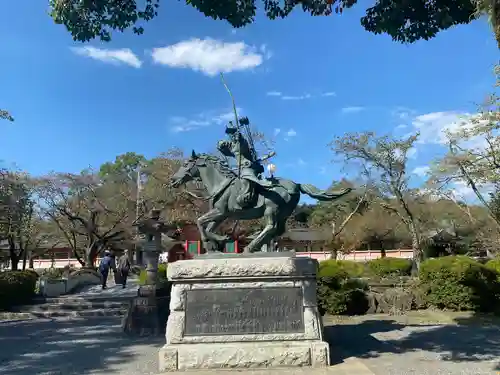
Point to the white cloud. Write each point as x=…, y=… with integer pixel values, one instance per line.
x=210, y=56
x=353, y=109
x=291, y=133
x=204, y=119
x=421, y=171
x=298, y=97
x=277, y=131
x=433, y=126
x=110, y=56
x=459, y=190
x=301, y=162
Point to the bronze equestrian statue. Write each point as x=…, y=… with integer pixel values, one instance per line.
x=243, y=194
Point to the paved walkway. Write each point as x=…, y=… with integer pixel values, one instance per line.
x=112, y=290
x=97, y=346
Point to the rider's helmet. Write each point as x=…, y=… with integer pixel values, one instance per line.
x=231, y=129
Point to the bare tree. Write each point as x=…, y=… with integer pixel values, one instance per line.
x=386, y=158
x=17, y=215
x=88, y=213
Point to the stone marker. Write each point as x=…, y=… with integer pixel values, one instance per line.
x=243, y=311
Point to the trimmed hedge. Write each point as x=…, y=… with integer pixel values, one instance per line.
x=340, y=268
x=17, y=288
x=337, y=296
x=459, y=283
x=339, y=292
x=494, y=265
x=384, y=267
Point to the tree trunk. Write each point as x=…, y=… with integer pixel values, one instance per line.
x=91, y=254
x=14, y=262
x=382, y=253
x=415, y=245
x=334, y=254
x=25, y=258
x=78, y=257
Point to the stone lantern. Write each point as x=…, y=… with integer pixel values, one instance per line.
x=148, y=312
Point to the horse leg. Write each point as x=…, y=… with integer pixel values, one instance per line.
x=211, y=216
x=209, y=230
x=265, y=236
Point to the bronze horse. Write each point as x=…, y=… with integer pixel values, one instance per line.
x=274, y=204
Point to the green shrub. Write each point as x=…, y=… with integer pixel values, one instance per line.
x=341, y=296
x=384, y=267
x=494, y=265
x=17, y=288
x=162, y=274
x=53, y=273
x=340, y=268
x=459, y=283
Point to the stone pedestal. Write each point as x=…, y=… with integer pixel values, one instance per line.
x=243, y=311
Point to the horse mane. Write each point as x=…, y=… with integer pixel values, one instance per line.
x=218, y=163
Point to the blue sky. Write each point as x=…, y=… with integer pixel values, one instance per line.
x=78, y=105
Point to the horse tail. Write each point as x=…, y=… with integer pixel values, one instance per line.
x=322, y=195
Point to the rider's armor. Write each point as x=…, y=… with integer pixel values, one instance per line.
x=249, y=168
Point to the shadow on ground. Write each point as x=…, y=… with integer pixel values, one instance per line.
x=74, y=347
x=468, y=340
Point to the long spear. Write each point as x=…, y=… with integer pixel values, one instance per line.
x=237, y=122
x=236, y=118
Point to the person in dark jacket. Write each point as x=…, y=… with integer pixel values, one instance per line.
x=107, y=263
x=123, y=268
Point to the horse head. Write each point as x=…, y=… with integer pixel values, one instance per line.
x=187, y=172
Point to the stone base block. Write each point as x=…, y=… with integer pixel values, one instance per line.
x=147, y=314
x=236, y=355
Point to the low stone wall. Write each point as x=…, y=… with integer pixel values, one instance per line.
x=75, y=281
x=394, y=296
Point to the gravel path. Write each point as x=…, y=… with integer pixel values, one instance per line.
x=467, y=347
x=368, y=346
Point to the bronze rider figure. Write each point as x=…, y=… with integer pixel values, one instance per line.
x=249, y=167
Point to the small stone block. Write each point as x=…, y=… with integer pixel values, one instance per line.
x=168, y=359
x=320, y=354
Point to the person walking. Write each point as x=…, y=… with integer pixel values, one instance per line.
x=124, y=268
x=106, y=264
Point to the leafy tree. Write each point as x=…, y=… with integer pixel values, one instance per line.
x=125, y=167
x=386, y=158
x=377, y=229
x=404, y=20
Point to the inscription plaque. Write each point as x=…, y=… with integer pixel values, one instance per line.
x=240, y=311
